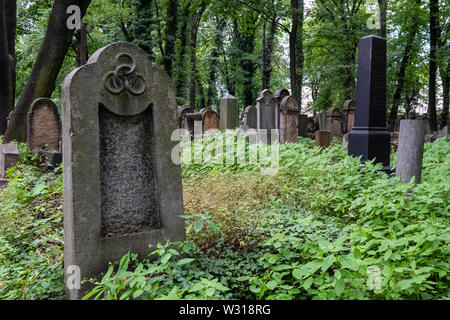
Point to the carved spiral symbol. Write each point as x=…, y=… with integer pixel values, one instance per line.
x=125, y=77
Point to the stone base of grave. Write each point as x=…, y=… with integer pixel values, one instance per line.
x=371, y=144
x=52, y=159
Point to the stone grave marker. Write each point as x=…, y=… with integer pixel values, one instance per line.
x=122, y=191
x=323, y=125
x=349, y=114
x=369, y=137
x=229, y=113
x=410, y=150
x=210, y=119
x=323, y=138
x=181, y=112
x=9, y=157
x=190, y=120
x=334, y=122
x=289, y=110
x=303, y=125
x=250, y=117
x=43, y=126
x=279, y=95
x=266, y=115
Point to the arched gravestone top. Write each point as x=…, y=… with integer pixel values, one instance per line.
x=289, y=104
x=334, y=113
x=43, y=125
x=349, y=105
x=122, y=191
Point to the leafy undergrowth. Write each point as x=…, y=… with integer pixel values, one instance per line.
x=319, y=229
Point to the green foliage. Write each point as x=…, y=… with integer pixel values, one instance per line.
x=336, y=233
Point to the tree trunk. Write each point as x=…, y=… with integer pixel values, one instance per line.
x=383, y=8
x=11, y=24
x=5, y=71
x=296, y=50
x=267, y=53
x=432, y=116
x=446, y=97
x=41, y=81
x=193, y=56
x=401, y=75
x=171, y=35
x=180, y=68
x=82, y=51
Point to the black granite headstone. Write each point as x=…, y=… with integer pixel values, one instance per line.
x=369, y=137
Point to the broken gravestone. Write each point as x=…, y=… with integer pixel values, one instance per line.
x=122, y=191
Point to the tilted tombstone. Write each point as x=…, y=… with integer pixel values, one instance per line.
x=334, y=122
x=251, y=117
x=210, y=119
x=279, y=95
x=229, y=113
x=122, y=191
x=349, y=114
x=289, y=110
x=370, y=137
x=43, y=126
x=181, y=112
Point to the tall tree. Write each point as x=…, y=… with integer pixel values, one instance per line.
x=382, y=4
x=296, y=49
x=5, y=70
x=41, y=81
x=197, y=17
x=142, y=25
x=171, y=35
x=11, y=24
x=434, y=16
x=444, y=64
x=396, y=100
x=267, y=52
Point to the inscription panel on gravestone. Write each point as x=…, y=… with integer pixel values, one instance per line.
x=128, y=191
x=378, y=89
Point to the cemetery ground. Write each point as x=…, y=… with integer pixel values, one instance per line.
x=320, y=228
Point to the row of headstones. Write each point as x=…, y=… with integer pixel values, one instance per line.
x=43, y=136
x=279, y=111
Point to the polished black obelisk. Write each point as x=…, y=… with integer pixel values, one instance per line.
x=370, y=137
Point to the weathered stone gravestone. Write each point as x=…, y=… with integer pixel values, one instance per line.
x=410, y=150
x=323, y=138
x=266, y=113
x=9, y=157
x=229, y=113
x=369, y=137
x=210, y=119
x=181, y=112
x=191, y=121
x=43, y=126
x=334, y=122
x=279, y=95
x=349, y=114
x=122, y=191
x=289, y=110
x=251, y=117
x=323, y=125
x=303, y=125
